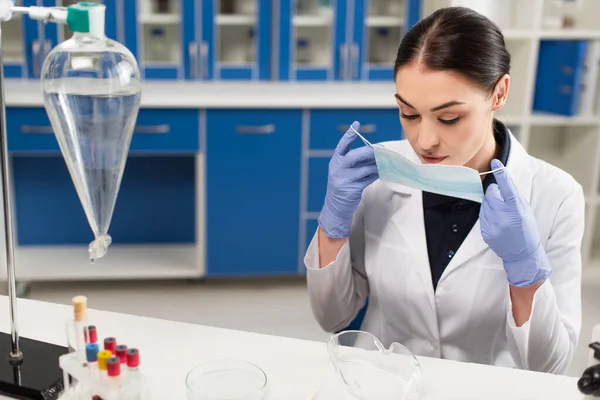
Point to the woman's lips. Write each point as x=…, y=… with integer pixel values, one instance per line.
x=432, y=159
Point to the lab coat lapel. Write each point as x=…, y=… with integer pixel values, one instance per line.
x=410, y=221
x=521, y=172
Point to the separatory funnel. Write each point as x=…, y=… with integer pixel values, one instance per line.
x=92, y=94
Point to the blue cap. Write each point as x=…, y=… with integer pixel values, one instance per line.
x=91, y=352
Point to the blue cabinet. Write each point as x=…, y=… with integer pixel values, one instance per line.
x=342, y=40
x=312, y=42
x=163, y=36
x=327, y=126
x=253, y=191
x=236, y=40
x=345, y=40
x=162, y=131
x=48, y=211
x=377, y=29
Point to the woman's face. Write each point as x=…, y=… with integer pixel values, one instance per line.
x=446, y=118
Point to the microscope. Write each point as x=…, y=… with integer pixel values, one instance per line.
x=589, y=383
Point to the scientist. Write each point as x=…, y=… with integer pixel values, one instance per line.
x=496, y=282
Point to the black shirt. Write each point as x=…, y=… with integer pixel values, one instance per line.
x=449, y=220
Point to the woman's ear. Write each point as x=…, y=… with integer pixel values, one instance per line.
x=500, y=92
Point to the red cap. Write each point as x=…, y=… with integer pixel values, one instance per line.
x=110, y=344
x=93, y=334
x=113, y=366
x=133, y=358
x=121, y=352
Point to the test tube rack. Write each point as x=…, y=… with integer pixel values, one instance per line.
x=83, y=382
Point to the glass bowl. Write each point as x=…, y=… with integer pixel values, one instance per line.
x=226, y=380
x=370, y=371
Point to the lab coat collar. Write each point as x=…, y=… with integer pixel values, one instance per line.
x=520, y=168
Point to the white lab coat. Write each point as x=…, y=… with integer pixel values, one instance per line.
x=469, y=316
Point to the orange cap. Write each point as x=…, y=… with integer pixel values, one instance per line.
x=79, y=306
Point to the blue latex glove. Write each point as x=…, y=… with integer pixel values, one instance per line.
x=350, y=172
x=509, y=227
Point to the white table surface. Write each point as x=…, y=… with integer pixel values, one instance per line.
x=295, y=368
x=185, y=94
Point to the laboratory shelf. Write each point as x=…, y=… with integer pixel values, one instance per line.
x=547, y=119
x=570, y=35
x=572, y=148
x=65, y=263
x=311, y=20
x=157, y=19
x=384, y=21
x=235, y=19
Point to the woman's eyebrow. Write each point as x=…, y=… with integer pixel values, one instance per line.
x=438, y=108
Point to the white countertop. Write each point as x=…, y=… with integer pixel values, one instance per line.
x=295, y=368
x=183, y=94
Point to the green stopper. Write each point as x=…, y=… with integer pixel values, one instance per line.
x=78, y=18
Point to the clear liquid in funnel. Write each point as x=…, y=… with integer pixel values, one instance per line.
x=93, y=124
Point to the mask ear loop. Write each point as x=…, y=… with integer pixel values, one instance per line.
x=492, y=171
x=365, y=141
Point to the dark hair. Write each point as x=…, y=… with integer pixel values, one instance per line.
x=458, y=39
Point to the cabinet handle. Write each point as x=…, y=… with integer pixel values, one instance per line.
x=255, y=130
x=152, y=129
x=354, y=62
x=193, y=50
x=36, y=129
x=36, y=49
x=344, y=61
x=204, y=57
x=364, y=129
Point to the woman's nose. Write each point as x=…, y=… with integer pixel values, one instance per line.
x=427, y=138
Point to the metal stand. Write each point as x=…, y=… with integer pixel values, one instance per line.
x=35, y=375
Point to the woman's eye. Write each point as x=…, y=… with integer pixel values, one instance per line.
x=409, y=116
x=449, y=121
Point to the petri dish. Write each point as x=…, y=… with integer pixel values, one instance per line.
x=226, y=380
x=370, y=371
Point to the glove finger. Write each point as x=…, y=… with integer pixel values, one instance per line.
x=505, y=182
x=493, y=197
x=359, y=174
x=361, y=156
x=370, y=179
x=345, y=143
x=484, y=213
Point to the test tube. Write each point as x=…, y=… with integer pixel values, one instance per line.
x=91, y=334
x=91, y=353
x=113, y=365
x=121, y=352
x=133, y=372
x=77, y=327
x=133, y=359
x=110, y=344
x=103, y=357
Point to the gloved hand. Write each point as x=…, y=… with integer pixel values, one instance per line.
x=509, y=227
x=350, y=172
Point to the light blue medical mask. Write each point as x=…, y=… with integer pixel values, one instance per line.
x=449, y=180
